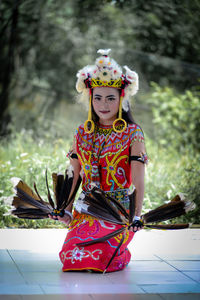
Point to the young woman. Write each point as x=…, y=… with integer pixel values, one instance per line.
x=108, y=152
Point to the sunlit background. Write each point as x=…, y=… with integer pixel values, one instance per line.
x=45, y=42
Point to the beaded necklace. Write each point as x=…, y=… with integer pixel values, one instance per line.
x=103, y=144
x=96, y=168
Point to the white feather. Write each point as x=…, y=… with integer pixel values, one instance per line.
x=125, y=105
x=104, y=51
x=70, y=171
x=15, y=181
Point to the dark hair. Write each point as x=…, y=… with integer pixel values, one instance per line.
x=127, y=115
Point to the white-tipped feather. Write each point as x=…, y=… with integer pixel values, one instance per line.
x=189, y=206
x=15, y=181
x=79, y=206
x=104, y=51
x=133, y=87
x=70, y=171
x=125, y=105
x=182, y=196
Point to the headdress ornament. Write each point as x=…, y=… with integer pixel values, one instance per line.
x=107, y=73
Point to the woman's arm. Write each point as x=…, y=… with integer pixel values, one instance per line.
x=137, y=175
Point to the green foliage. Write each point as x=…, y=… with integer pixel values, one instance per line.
x=177, y=118
x=177, y=136
x=27, y=158
x=169, y=173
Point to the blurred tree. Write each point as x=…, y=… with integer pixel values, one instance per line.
x=164, y=37
x=169, y=28
x=8, y=39
x=44, y=42
x=18, y=33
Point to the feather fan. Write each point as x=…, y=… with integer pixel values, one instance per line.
x=100, y=205
x=29, y=204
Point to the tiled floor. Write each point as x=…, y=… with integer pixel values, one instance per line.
x=165, y=265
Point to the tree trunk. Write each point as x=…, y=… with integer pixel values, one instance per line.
x=8, y=70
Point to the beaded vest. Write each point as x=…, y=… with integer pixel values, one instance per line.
x=104, y=156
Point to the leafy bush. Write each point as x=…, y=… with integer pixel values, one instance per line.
x=27, y=158
x=177, y=118
x=169, y=173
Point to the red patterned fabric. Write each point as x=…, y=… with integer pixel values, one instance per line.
x=111, y=169
x=104, y=157
x=94, y=257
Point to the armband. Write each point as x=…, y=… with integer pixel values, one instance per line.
x=72, y=155
x=141, y=158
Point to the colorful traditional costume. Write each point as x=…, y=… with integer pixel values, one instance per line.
x=98, y=241
x=104, y=157
x=103, y=153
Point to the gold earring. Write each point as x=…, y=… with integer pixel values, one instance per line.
x=119, y=119
x=89, y=123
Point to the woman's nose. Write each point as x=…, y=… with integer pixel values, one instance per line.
x=105, y=102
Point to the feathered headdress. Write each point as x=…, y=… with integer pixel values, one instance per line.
x=106, y=73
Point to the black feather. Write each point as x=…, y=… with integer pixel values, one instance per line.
x=103, y=238
x=131, y=206
x=48, y=193
x=114, y=254
x=71, y=198
x=101, y=197
x=27, y=198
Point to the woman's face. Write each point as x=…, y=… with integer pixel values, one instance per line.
x=106, y=104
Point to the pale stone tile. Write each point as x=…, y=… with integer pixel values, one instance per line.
x=10, y=297
x=127, y=297
x=180, y=296
x=194, y=275
x=68, y=279
x=92, y=289
x=186, y=265
x=141, y=266
x=56, y=297
x=19, y=289
x=156, y=278
x=171, y=288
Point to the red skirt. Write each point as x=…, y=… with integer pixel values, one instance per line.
x=93, y=257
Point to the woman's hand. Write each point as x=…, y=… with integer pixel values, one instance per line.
x=137, y=225
x=66, y=219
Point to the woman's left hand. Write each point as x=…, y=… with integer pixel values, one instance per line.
x=137, y=225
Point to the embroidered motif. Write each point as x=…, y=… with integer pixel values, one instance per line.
x=93, y=231
x=111, y=167
x=119, y=237
x=108, y=166
x=78, y=254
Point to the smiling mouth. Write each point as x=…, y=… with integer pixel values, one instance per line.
x=104, y=111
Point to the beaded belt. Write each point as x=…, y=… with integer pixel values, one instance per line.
x=120, y=195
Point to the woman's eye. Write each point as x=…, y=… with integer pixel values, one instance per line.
x=97, y=98
x=111, y=99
